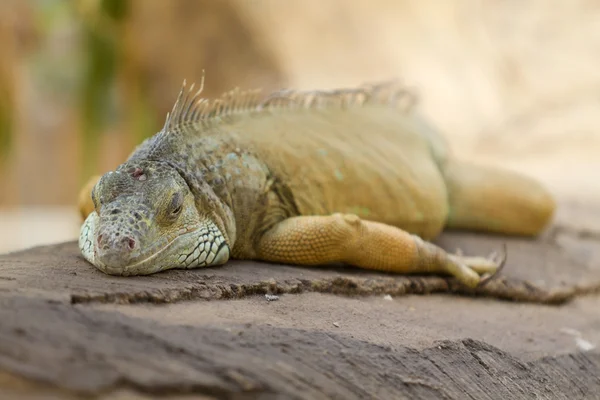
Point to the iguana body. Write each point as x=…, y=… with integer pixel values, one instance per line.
x=303, y=178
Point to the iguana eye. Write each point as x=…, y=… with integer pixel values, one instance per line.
x=176, y=204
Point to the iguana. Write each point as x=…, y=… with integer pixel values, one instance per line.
x=354, y=176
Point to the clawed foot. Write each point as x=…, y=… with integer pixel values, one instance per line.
x=487, y=267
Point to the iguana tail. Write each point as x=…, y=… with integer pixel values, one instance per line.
x=494, y=200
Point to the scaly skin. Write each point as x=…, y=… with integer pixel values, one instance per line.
x=301, y=178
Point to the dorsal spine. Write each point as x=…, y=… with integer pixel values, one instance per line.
x=192, y=109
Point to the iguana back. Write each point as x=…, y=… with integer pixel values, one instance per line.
x=373, y=161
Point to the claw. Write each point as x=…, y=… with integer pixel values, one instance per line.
x=502, y=262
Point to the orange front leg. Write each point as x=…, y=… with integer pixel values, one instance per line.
x=314, y=240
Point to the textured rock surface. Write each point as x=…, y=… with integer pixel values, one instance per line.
x=68, y=330
x=90, y=351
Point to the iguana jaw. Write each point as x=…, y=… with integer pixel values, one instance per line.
x=201, y=247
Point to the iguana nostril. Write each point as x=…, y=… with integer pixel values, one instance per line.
x=130, y=243
x=115, y=242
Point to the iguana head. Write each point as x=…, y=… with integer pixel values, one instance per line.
x=146, y=220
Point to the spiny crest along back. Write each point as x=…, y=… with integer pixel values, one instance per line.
x=190, y=109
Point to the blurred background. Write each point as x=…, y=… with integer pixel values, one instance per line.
x=82, y=82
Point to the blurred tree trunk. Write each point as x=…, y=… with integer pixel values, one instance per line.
x=16, y=38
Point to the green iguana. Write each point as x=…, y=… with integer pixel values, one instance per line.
x=351, y=176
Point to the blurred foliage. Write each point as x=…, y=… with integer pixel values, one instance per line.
x=102, y=22
x=7, y=46
x=100, y=77
x=6, y=124
x=83, y=81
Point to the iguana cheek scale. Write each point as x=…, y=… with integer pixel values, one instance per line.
x=283, y=179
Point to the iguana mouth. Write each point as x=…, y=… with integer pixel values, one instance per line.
x=201, y=247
